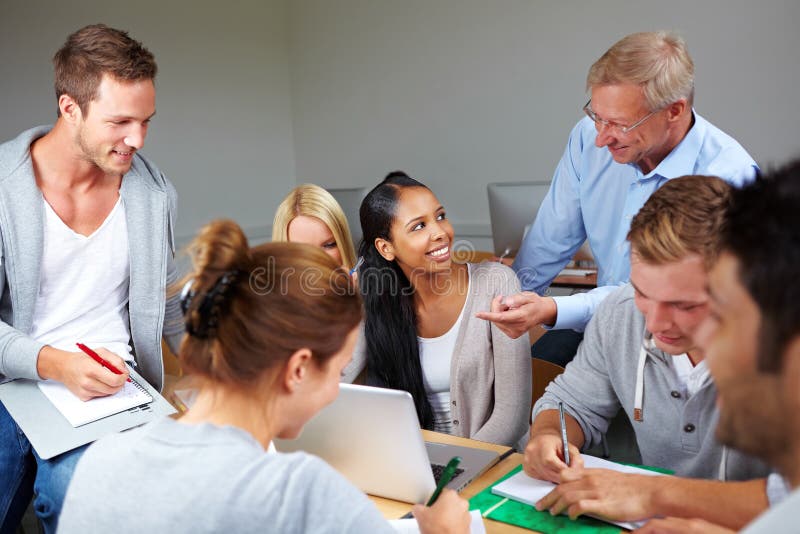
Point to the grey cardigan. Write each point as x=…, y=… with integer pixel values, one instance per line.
x=150, y=205
x=675, y=432
x=490, y=373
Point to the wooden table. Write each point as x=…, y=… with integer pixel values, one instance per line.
x=581, y=281
x=477, y=256
x=394, y=509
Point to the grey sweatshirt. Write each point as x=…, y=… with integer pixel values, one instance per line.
x=173, y=477
x=676, y=432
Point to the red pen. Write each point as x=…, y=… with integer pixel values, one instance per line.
x=96, y=357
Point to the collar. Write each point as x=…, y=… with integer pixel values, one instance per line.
x=650, y=349
x=681, y=160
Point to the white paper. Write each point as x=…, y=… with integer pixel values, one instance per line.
x=410, y=526
x=530, y=490
x=80, y=412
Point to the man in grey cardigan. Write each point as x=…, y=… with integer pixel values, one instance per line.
x=87, y=250
x=639, y=355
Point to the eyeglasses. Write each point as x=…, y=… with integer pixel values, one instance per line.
x=613, y=125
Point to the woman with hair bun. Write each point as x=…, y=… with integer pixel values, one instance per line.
x=266, y=343
x=421, y=335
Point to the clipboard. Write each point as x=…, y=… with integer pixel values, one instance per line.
x=49, y=431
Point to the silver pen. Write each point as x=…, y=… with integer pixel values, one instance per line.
x=564, y=441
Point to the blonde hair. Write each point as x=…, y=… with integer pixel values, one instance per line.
x=657, y=61
x=247, y=310
x=685, y=216
x=313, y=201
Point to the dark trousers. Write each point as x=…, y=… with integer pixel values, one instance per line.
x=557, y=346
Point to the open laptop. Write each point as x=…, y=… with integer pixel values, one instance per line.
x=372, y=437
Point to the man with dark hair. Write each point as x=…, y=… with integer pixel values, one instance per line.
x=87, y=250
x=752, y=338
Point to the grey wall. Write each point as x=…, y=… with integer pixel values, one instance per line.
x=257, y=95
x=223, y=130
x=465, y=92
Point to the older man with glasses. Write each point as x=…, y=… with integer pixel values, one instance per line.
x=640, y=131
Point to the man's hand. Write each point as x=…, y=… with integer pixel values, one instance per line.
x=82, y=375
x=675, y=525
x=516, y=314
x=601, y=492
x=544, y=457
x=449, y=514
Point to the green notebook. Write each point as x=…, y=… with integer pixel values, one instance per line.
x=526, y=516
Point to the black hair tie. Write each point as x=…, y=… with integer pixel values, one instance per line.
x=209, y=309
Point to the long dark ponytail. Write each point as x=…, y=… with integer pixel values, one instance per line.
x=390, y=325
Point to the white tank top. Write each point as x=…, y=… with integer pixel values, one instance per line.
x=83, y=286
x=435, y=355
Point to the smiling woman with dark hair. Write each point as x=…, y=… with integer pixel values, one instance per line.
x=467, y=378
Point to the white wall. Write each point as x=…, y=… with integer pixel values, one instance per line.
x=461, y=93
x=223, y=131
x=257, y=95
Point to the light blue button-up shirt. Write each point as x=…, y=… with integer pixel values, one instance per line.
x=593, y=197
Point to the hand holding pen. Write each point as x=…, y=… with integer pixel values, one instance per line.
x=80, y=373
x=545, y=456
x=95, y=380
x=445, y=511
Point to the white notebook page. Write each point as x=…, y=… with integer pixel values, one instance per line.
x=80, y=412
x=529, y=490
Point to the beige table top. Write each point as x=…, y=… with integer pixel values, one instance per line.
x=394, y=509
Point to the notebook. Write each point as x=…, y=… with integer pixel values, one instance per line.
x=528, y=490
x=49, y=431
x=80, y=412
x=410, y=526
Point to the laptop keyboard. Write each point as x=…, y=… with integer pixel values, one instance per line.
x=438, y=469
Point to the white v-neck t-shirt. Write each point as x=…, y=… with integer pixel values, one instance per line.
x=83, y=285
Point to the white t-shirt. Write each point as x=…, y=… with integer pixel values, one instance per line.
x=83, y=285
x=692, y=377
x=435, y=356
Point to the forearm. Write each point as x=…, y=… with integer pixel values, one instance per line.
x=730, y=504
x=50, y=364
x=506, y=425
x=575, y=311
x=549, y=422
x=18, y=353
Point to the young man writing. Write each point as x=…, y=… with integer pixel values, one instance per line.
x=751, y=338
x=87, y=250
x=639, y=356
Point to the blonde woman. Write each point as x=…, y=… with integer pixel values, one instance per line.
x=311, y=216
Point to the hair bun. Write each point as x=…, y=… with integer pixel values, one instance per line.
x=220, y=255
x=220, y=246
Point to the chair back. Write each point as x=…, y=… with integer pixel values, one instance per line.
x=542, y=373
